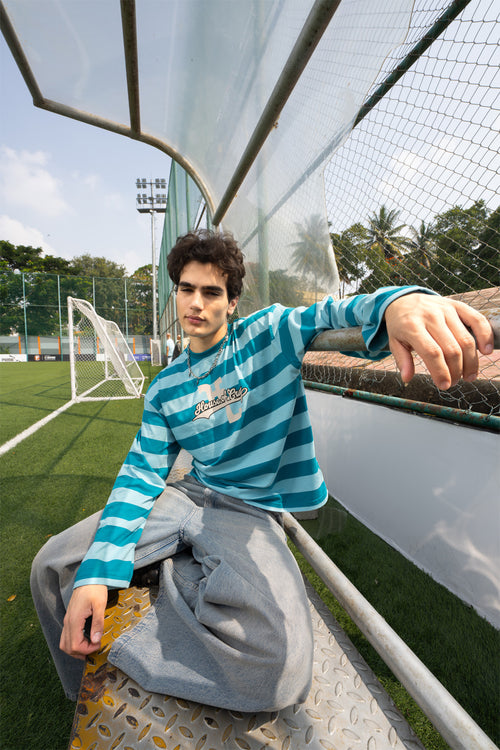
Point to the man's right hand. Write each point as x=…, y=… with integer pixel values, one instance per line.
x=86, y=601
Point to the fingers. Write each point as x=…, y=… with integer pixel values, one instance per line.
x=442, y=332
x=460, y=351
x=446, y=358
x=86, y=602
x=478, y=324
x=459, y=332
x=97, y=628
x=404, y=361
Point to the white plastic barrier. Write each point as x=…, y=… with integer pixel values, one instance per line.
x=428, y=487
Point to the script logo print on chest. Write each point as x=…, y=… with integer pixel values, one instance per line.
x=217, y=399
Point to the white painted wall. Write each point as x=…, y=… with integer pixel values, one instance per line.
x=429, y=488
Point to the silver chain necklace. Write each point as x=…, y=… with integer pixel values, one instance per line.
x=216, y=359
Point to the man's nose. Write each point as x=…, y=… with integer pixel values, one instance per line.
x=197, y=299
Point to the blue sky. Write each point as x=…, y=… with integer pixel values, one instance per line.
x=68, y=187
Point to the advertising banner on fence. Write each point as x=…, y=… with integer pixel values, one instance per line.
x=13, y=358
x=47, y=358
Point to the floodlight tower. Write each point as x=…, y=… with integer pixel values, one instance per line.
x=152, y=203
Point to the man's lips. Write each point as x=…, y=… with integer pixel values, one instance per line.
x=194, y=319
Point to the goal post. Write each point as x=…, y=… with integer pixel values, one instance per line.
x=101, y=363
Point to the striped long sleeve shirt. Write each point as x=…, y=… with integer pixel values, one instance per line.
x=246, y=425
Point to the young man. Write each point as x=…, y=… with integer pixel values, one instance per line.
x=231, y=624
x=170, y=348
x=177, y=347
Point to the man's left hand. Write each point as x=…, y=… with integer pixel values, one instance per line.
x=436, y=329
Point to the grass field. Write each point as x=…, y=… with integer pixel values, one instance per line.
x=65, y=471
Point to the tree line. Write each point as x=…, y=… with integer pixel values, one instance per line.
x=457, y=252
x=34, y=286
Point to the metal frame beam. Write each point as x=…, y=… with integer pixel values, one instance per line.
x=307, y=41
x=411, y=58
x=351, y=339
x=131, y=131
x=129, y=30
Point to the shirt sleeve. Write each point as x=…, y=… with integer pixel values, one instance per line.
x=299, y=326
x=110, y=558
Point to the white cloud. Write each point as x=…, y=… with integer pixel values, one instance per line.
x=17, y=233
x=26, y=182
x=115, y=202
x=451, y=172
x=91, y=181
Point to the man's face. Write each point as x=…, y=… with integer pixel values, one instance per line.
x=203, y=304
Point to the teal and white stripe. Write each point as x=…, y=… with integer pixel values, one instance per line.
x=256, y=443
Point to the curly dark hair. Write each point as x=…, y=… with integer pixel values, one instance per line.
x=206, y=246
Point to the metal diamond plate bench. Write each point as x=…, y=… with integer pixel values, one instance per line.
x=346, y=708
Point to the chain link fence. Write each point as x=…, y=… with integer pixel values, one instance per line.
x=412, y=194
x=34, y=312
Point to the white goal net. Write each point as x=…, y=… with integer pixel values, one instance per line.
x=155, y=349
x=102, y=365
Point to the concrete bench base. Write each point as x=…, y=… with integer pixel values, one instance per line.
x=346, y=708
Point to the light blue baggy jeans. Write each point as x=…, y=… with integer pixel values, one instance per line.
x=231, y=625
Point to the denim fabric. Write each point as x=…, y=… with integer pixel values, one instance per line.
x=231, y=624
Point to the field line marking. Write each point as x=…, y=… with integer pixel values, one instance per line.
x=34, y=427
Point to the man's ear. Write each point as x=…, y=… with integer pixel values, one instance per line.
x=232, y=306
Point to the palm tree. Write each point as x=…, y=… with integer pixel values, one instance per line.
x=423, y=245
x=311, y=256
x=350, y=254
x=384, y=236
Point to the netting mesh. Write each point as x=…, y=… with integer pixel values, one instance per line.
x=155, y=352
x=34, y=303
x=102, y=365
x=412, y=195
x=411, y=192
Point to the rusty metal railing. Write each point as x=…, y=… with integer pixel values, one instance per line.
x=450, y=719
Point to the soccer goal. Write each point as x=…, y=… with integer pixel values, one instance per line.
x=102, y=365
x=155, y=349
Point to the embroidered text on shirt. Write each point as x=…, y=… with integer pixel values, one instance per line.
x=205, y=409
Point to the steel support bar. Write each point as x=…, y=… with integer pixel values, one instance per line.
x=351, y=339
x=19, y=56
x=411, y=58
x=129, y=30
x=449, y=718
x=307, y=41
x=339, y=340
x=100, y=122
x=451, y=12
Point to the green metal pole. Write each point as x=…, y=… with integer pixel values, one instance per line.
x=188, y=202
x=470, y=418
x=451, y=12
x=59, y=306
x=25, y=319
x=126, y=309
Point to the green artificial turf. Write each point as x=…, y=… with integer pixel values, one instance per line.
x=52, y=479
x=29, y=391
x=65, y=471
x=458, y=646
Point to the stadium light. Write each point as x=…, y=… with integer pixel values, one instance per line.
x=154, y=203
